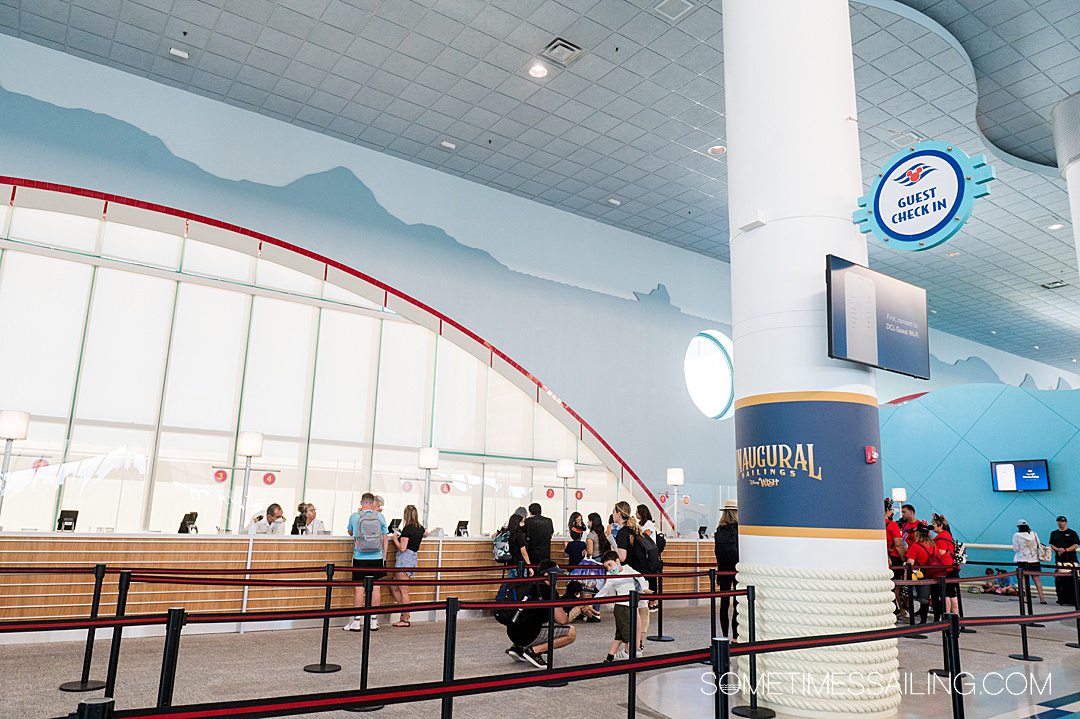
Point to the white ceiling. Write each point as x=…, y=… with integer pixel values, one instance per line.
x=633, y=117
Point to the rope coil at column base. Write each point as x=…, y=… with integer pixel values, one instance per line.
x=856, y=679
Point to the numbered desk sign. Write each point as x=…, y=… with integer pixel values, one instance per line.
x=923, y=196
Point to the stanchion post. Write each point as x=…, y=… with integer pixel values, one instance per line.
x=952, y=640
x=1076, y=605
x=365, y=649
x=660, y=636
x=721, y=667
x=553, y=594
x=753, y=711
x=632, y=648
x=1025, y=656
x=322, y=667
x=712, y=608
x=960, y=608
x=449, y=652
x=1027, y=593
x=124, y=584
x=99, y=708
x=85, y=683
x=945, y=652
x=174, y=625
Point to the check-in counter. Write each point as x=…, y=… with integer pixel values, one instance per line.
x=27, y=596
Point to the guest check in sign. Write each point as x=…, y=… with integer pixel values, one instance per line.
x=923, y=196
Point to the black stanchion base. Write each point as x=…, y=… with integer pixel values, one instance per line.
x=914, y=636
x=938, y=672
x=1028, y=658
x=965, y=630
x=1036, y=625
x=88, y=686
x=660, y=638
x=366, y=708
x=1073, y=645
x=753, y=712
x=322, y=668
x=554, y=683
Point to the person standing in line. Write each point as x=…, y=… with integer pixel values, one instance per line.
x=897, y=552
x=576, y=522
x=920, y=555
x=538, y=533
x=1026, y=555
x=368, y=530
x=908, y=523
x=627, y=536
x=726, y=550
x=1064, y=542
x=648, y=529
x=945, y=555
x=575, y=548
x=407, y=541
x=519, y=546
x=596, y=541
x=617, y=584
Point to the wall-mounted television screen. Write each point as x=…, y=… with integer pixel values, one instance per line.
x=876, y=320
x=1021, y=475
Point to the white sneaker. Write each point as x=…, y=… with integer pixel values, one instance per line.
x=354, y=626
x=641, y=650
x=374, y=624
x=621, y=654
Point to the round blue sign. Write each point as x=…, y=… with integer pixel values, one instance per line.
x=923, y=196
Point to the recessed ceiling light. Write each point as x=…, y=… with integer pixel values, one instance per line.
x=1074, y=360
x=933, y=312
x=538, y=70
x=951, y=254
x=177, y=52
x=993, y=332
x=448, y=145
x=1056, y=226
x=1035, y=346
x=561, y=52
x=717, y=150
x=614, y=201
x=1054, y=284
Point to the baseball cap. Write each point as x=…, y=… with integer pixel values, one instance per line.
x=1020, y=521
x=1062, y=518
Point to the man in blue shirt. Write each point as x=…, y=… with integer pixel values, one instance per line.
x=367, y=527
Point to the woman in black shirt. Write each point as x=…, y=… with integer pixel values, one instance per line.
x=519, y=549
x=726, y=550
x=407, y=541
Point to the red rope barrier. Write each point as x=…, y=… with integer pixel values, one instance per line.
x=1013, y=619
x=778, y=645
x=549, y=603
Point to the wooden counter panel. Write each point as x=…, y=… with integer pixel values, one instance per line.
x=51, y=596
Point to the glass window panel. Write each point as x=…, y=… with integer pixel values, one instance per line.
x=282, y=461
x=206, y=358
x=598, y=493
x=56, y=229
x=201, y=258
x=339, y=294
x=184, y=481
x=105, y=477
x=460, y=392
x=509, y=419
x=336, y=477
x=553, y=440
x=506, y=487
x=278, y=277
x=396, y=479
x=127, y=336
x=403, y=406
x=345, y=377
x=279, y=368
x=33, y=478
x=544, y=480
x=148, y=247
x=586, y=455
x=455, y=496
x=42, y=312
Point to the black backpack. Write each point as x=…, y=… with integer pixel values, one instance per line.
x=644, y=556
x=513, y=592
x=661, y=542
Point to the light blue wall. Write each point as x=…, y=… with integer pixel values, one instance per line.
x=939, y=447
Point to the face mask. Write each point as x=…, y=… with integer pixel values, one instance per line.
x=614, y=570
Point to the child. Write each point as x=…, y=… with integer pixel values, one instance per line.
x=582, y=612
x=990, y=585
x=575, y=548
x=620, y=586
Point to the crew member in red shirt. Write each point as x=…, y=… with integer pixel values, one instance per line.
x=908, y=523
x=897, y=553
x=920, y=553
x=945, y=547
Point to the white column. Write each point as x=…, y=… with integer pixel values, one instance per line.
x=1066, y=119
x=811, y=527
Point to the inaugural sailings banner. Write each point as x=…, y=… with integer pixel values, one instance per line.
x=802, y=469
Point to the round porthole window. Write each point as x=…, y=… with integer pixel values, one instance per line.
x=709, y=372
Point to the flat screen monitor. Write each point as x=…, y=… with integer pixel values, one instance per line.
x=187, y=524
x=67, y=519
x=1021, y=475
x=462, y=529
x=394, y=524
x=876, y=320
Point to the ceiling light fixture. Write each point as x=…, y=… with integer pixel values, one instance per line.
x=561, y=52
x=717, y=150
x=1074, y=359
x=177, y=52
x=538, y=70
x=1054, y=284
x=1055, y=227
x=993, y=332
x=614, y=201
x=933, y=312
x=951, y=254
x=1036, y=346
x=448, y=145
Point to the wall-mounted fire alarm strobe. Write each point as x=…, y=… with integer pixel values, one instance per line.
x=871, y=455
